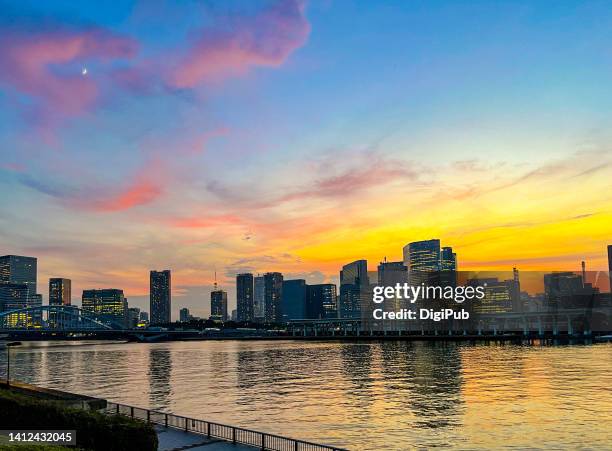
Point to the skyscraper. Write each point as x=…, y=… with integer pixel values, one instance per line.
x=273, y=283
x=389, y=275
x=20, y=272
x=107, y=305
x=259, y=299
x=133, y=317
x=60, y=291
x=423, y=260
x=218, y=305
x=429, y=264
x=160, y=297
x=294, y=299
x=322, y=301
x=448, y=267
x=19, y=269
x=354, y=287
x=184, y=315
x=244, y=297
x=13, y=296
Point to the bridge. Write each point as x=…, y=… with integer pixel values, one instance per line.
x=551, y=322
x=66, y=318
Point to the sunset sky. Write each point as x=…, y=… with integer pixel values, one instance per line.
x=299, y=136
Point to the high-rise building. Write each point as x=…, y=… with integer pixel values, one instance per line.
x=13, y=296
x=567, y=290
x=184, y=315
x=497, y=295
x=133, y=317
x=294, y=299
x=107, y=305
x=259, y=299
x=144, y=317
x=160, y=297
x=245, y=297
x=430, y=264
x=354, y=288
x=273, y=286
x=448, y=267
x=389, y=275
x=218, y=305
x=19, y=270
x=322, y=301
x=423, y=261
x=60, y=291
x=515, y=292
x=392, y=273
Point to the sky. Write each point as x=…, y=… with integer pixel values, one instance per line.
x=228, y=136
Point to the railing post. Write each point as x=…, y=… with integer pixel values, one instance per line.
x=296, y=445
x=208, y=429
x=233, y=435
x=263, y=442
x=117, y=409
x=186, y=425
x=166, y=419
x=132, y=412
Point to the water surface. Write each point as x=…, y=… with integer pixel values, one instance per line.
x=382, y=395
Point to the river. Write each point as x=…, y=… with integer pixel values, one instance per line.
x=369, y=395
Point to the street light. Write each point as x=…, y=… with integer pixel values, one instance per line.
x=8, y=360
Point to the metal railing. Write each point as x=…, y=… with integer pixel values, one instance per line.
x=209, y=429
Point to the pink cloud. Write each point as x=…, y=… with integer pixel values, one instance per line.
x=203, y=222
x=32, y=62
x=264, y=39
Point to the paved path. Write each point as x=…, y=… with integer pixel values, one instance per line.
x=171, y=439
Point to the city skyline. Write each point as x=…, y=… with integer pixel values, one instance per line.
x=350, y=291
x=293, y=152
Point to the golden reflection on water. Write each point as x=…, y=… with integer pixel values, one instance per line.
x=382, y=395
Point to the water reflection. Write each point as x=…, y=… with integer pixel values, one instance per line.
x=160, y=372
x=367, y=395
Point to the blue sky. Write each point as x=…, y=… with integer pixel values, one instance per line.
x=268, y=135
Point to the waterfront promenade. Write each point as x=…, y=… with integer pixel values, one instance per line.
x=174, y=440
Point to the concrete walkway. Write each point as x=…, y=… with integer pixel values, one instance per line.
x=171, y=439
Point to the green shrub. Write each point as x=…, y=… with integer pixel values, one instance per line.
x=95, y=431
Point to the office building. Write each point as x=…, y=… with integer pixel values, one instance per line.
x=13, y=296
x=259, y=299
x=60, y=291
x=294, y=299
x=389, y=275
x=430, y=264
x=107, y=305
x=448, y=267
x=133, y=317
x=354, y=289
x=19, y=269
x=497, y=295
x=144, y=317
x=184, y=315
x=160, y=301
x=218, y=305
x=567, y=290
x=273, y=286
x=245, y=297
x=322, y=301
